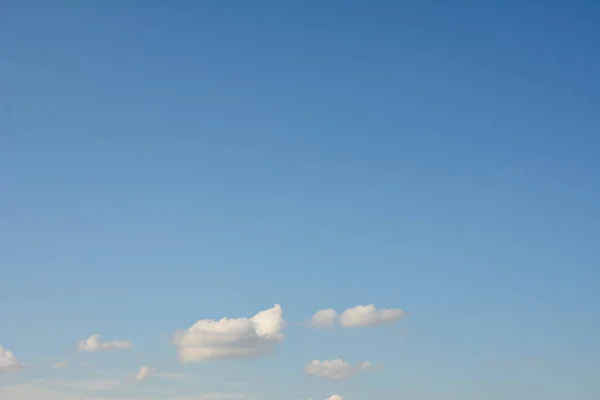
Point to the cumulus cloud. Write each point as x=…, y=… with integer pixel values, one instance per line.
x=362, y=316
x=231, y=338
x=335, y=397
x=324, y=319
x=143, y=374
x=8, y=360
x=59, y=365
x=93, y=343
x=337, y=369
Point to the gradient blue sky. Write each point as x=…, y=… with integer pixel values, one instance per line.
x=167, y=161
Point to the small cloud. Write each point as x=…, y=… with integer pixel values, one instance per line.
x=8, y=361
x=143, y=374
x=369, y=315
x=93, y=343
x=358, y=316
x=335, y=397
x=231, y=338
x=337, y=369
x=84, y=365
x=60, y=365
x=324, y=319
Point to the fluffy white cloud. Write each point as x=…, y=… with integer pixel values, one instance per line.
x=337, y=369
x=369, y=315
x=143, y=374
x=93, y=343
x=324, y=319
x=231, y=338
x=335, y=397
x=8, y=360
x=59, y=365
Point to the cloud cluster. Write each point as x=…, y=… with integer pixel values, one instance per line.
x=337, y=369
x=359, y=316
x=93, y=343
x=231, y=338
x=8, y=360
x=209, y=339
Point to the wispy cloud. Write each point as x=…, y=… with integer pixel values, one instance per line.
x=93, y=343
x=59, y=365
x=103, y=389
x=85, y=385
x=143, y=374
x=37, y=392
x=356, y=317
x=338, y=369
x=172, y=375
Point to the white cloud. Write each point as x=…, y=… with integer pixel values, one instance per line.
x=93, y=343
x=143, y=374
x=231, y=338
x=59, y=365
x=358, y=316
x=335, y=397
x=361, y=316
x=324, y=319
x=337, y=369
x=8, y=360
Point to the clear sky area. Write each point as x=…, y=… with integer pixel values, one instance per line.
x=270, y=200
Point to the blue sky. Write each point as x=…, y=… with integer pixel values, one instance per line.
x=168, y=162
